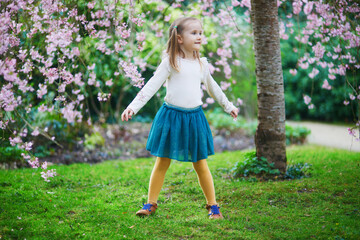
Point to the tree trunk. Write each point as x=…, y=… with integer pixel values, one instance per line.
x=270, y=139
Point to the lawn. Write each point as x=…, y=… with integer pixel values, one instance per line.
x=99, y=201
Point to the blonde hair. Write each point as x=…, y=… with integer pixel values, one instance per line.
x=173, y=47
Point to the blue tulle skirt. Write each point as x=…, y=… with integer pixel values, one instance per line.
x=179, y=133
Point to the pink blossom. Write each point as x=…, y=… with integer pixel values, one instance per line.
x=62, y=88
x=44, y=165
x=322, y=64
x=138, y=20
x=103, y=96
x=24, y=133
x=319, y=50
x=293, y=72
x=236, y=62
x=76, y=51
x=92, y=67
x=326, y=85
x=351, y=132
x=235, y=3
x=304, y=65
x=42, y=90
x=132, y=73
x=7, y=98
x=308, y=7
x=28, y=146
x=167, y=18
x=211, y=68
x=52, y=75
x=3, y=124
x=307, y=99
x=210, y=100
x=77, y=79
x=69, y=113
x=42, y=108
x=331, y=76
x=346, y=102
x=227, y=71
x=140, y=36
x=92, y=78
x=48, y=174
x=35, y=163
x=297, y=4
x=109, y=83
x=91, y=5
x=25, y=156
x=313, y=73
x=123, y=31
x=225, y=85
x=76, y=92
x=15, y=140
x=22, y=54
x=140, y=62
x=337, y=49
x=159, y=33
x=80, y=97
x=282, y=29
x=35, y=132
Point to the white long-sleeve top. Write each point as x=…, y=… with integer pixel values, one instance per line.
x=183, y=88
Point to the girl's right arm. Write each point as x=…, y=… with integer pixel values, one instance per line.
x=216, y=93
x=150, y=88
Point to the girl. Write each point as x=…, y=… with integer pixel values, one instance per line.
x=180, y=130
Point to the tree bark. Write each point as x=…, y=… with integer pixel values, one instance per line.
x=270, y=139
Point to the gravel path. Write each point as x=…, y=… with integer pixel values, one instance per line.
x=329, y=135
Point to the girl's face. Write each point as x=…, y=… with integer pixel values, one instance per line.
x=191, y=37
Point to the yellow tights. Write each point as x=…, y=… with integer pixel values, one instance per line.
x=158, y=176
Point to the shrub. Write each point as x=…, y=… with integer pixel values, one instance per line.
x=296, y=135
x=93, y=140
x=220, y=120
x=11, y=154
x=298, y=171
x=254, y=167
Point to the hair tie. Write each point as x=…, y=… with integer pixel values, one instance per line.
x=175, y=26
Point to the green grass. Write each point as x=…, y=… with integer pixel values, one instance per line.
x=99, y=201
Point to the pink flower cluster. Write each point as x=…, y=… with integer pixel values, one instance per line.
x=307, y=101
x=131, y=72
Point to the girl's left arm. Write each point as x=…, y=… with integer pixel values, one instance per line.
x=215, y=91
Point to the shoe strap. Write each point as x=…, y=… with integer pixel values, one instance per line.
x=214, y=210
x=147, y=206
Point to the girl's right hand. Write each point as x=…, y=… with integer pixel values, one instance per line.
x=127, y=114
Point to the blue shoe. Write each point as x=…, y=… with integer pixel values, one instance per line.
x=147, y=209
x=214, y=211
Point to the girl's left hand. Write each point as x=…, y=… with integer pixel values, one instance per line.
x=234, y=113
